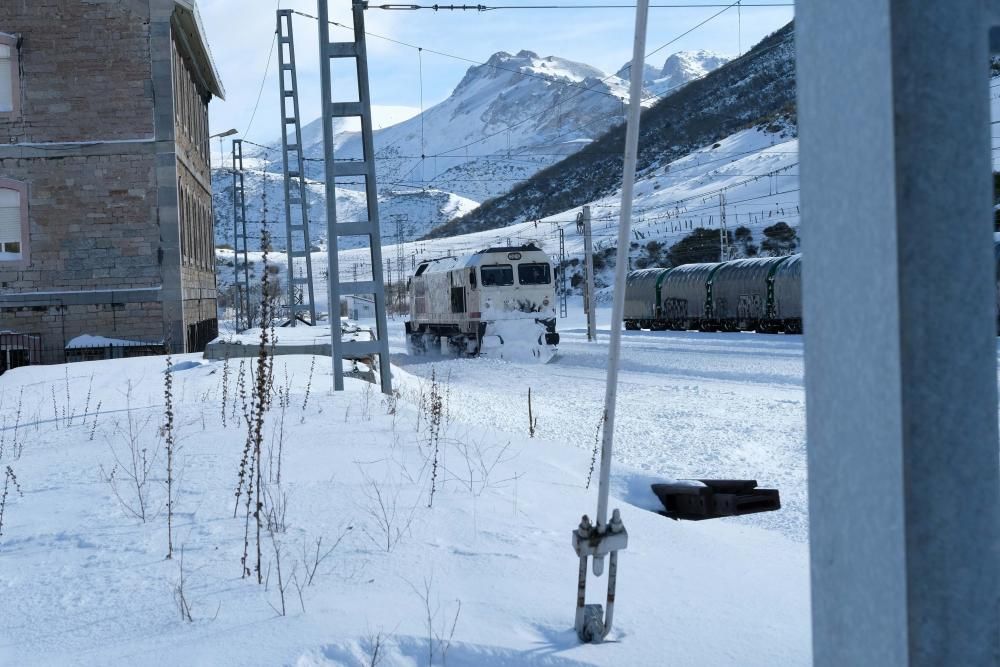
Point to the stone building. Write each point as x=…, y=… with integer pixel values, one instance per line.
x=105, y=190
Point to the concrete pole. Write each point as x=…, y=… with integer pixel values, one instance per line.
x=588, y=297
x=624, y=234
x=900, y=324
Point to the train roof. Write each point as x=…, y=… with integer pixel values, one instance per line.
x=482, y=257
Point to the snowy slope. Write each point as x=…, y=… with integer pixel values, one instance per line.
x=423, y=208
x=757, y=169
x=753, y=89
x=518, y=102
x=84, y=583
x=506, y=120
x=678, y=69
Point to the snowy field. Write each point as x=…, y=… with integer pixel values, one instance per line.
x=724, y=405
x=83, y=581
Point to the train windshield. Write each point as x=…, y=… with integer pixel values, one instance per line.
x=498, y=275
x=534, y=274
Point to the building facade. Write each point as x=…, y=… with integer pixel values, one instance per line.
x=105, y=191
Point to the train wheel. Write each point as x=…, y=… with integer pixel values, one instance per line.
x=415, y=345
x=631, y=325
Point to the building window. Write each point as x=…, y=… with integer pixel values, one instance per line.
x=9, y=82
x=13, y=221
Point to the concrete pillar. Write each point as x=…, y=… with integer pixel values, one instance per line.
x=900, y=322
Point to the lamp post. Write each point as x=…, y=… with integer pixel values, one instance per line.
x=221, y=135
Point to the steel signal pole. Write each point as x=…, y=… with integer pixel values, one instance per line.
x=588, y=296
x=608, y=538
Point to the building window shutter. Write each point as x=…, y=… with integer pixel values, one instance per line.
x=10, y=223
x=6, y=79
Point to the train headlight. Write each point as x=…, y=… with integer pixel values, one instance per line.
x=545, y=301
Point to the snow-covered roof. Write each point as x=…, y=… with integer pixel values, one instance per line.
x=86, y=340
x=487, y=257
x=194, y=34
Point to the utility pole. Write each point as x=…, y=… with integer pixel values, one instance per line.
x=364, y=168
x=242, y=287
x=400, y=219
x=724, y=249
x=604, y=538
x=588, y=263
x=298, y=245
x=564, y=288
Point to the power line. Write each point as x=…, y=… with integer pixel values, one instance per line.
x=490, y=8
x=419, y=48
x=267, y=68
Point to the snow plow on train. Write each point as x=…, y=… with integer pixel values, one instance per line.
x=499, y=302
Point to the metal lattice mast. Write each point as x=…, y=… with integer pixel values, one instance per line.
x=364, y=168
x=298, y=244
x=563, y=288
x=400, y=220
x=725, y=251
x=241, y=281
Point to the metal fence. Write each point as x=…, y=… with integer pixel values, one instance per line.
x=18, y=350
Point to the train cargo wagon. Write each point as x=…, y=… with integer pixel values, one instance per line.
x=739, y=292
x=787, y=295
x=685, y=294
x=996, y=254
x=642, y=299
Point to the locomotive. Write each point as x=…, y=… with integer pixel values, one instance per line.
x=496, y=302
x=761, y=294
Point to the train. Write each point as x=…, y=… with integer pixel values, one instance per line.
x=762, y=294
x=498, y=302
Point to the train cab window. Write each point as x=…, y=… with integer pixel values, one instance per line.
x=421, y=269
x=534, y=274
x=472, y=278
x=498, y=275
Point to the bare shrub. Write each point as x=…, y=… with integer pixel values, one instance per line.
x=312, y=558
x=375, y=645
x=532, y=420
x=180, y=594
x=392, y=516
x=130, y=475
x=93, y=427
x=439, y=633
x=597, y=446
x=481, y=461
x=435, y=412
x=284, y=582
x=9, y=482
x=309, y=382
x=167, y=432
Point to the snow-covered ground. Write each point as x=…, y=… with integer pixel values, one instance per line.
x=84, y=582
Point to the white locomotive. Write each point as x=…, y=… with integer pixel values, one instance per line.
x=497, y=302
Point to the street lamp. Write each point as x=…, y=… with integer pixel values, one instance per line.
x=221, y=135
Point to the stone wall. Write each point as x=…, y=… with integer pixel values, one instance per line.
x=112, y=143
x=92, y=223
x=85, y=70
x=58, y=322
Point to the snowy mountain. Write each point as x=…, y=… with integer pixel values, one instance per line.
x=422, y=209
x=753, y=89
x=680, y=68
x=505, y=121
x=684, y=67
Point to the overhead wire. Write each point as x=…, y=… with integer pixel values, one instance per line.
x=490, y=8
x=263, y=81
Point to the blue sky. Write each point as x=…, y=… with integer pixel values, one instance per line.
x=241, y=33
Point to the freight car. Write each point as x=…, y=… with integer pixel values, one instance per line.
x=761, y=294
x=497, y=302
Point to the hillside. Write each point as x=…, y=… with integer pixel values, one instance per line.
x=511, y=117
x=757, y=86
